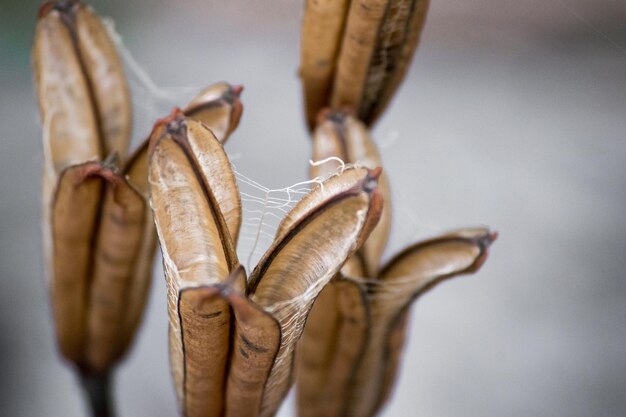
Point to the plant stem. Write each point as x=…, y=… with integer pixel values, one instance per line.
x=97, y=392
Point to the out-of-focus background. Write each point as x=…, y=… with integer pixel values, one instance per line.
x=513, y=115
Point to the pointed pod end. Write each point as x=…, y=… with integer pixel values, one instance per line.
x=61, y=6
x=371, y=179
x=170, y=123
x=236, y=89
x=484, y=242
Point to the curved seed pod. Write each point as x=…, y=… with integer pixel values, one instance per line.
x=136, y=172
x=205, y=328
x=215, y=165
x=255, y=345
x=348, y=179
x=341, y=135
x=217, y=106
x=196, y=246
x=396, y=75
x=392, y=35
x=406, y=277
x=364, y=19
x=298, y=265
x=105, y=73
x=378, y=44
x=65, y=103
x=74, y=217
x=322, y=30
x=331, y=347
x=119, y=240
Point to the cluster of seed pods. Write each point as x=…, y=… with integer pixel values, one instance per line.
x=319, y=307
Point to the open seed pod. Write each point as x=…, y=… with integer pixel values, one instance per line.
x=232, y=344
x=355, y=53
x=98, y=229
x=349, y=354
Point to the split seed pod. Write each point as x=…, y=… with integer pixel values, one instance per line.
x=231, y=347
x=350, y=351
x=98, y=230
x=218, y=107
x=406, y=277
x=338, y=377
x=96, y=226
x=341, y=135
x=356, y=53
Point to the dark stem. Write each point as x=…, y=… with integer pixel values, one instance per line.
x=97, y=391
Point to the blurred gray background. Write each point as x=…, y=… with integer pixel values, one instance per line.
x=513, y=115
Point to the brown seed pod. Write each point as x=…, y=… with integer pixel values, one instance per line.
x=334, y=338
x=340, y=135
x=255, y=343
x=302, y=260
x=74, y=217
x=322, y=31
x=362, y=70
x=83, y=95
x=105, y=74
x=405, y=278
x=117, y=247
x=218, y=107
x=197, y=252
x=136, y=171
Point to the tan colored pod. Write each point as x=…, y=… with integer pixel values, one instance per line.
x=334, y=338
x=81, y=84
x=205, y=328
x=304, y=259
x=105, y=74
x=215, y=166
x=394, y=78
x=136, y=172
x=255, y=343
x=195, y=242
x=359, y=42
x=405, y=278
x=119, y=240
x=70, y=123
x=322, y=31
x=74, y=217
x=218, y=107
x=354, y=54
x=341, y=135
x=392, y=36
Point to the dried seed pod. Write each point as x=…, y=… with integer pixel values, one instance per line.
x=322, y=30
x=205, y=333
x=83, y=95
x=215, y=166
x=378, y=39
x=65, y=99
x=396, y=71
x=304, y=259
x=217, y=106
x=334, y=339
x=98, y=225
x=74, y=217
x=105, y=74
x=340, y=135
x=406, y=277
x=360, y=39
x=118, y=243
x=255, y=344
x=197, y=252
